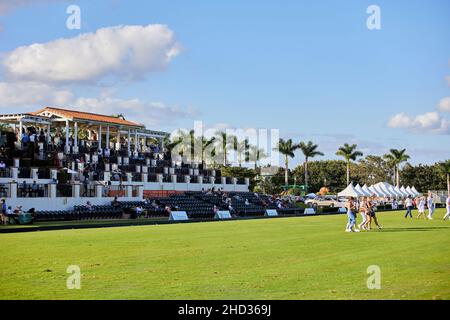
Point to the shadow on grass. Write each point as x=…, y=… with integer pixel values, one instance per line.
x=413, y=229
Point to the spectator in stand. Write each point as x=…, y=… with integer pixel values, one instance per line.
x=247, y=203
x=89, y=206
x=25, y=138
x=139, y=211
x=23, y=189
x=2, y=168
x=167, y=210
x=107, y=153
x=115, y=203
x=4, y=212
x=34, y=189
x=10, y=214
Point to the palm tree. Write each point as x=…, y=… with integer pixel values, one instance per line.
x=224, y=139
x=309, y=151
x=349, y=153
x=170, y=145
x=187, y=144
x=445, y=169
x=204, y=144
x=396, y=157
x=257, y=154
x=287, y=148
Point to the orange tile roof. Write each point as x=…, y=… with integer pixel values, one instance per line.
x=72, y=114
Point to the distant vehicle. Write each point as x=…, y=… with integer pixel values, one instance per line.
x=325, y=201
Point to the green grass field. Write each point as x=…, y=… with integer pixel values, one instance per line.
x=291, y=258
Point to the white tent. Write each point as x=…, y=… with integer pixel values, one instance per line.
x=403, y=190
x=350, y=191
x=413, y=189
x=361, y=190
x=400, y=191
x=367, y=191
x=392, y=189
x=384, y=187
x=375, y=191
x=409, y=190
x=381, y=191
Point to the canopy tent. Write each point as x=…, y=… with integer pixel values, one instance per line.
x=413, y=189
x=381, y=191
x=350, y=191
x=384, y=187
x=404, y=194
x=397, y=194
x=375, y=191
x=360, y=190
x=409, y=190
x=403, y=189
x=367, y=191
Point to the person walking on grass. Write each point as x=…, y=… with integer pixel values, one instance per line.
x=351, y=215
x=363, y=212
x=409, y=207
x=447, y=202
x=430, y=205
x=371, y=214
x=421, y=208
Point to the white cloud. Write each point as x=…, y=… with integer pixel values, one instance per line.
x=444, y=104
x=148, y=113
x=25, y=94
x=122, y=51
x=430, y=122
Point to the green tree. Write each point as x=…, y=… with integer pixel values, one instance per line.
x=204, y=144
x=224, y=139
x=287, y=148
x=257, y=154
x=444, y=168
x=309, y=151
x=349, y=153
x=397, y=157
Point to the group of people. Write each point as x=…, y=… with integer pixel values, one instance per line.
x=8, y=215
x=422, y=204
x=366, y=208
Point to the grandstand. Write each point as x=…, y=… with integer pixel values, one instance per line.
x=56, y=160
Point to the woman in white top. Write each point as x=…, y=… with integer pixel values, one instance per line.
x=447, y=215
x=421, y=208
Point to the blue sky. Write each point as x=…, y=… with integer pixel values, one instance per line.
x=309, y=68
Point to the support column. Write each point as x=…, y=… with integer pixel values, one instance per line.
x=136, y=141
x=75, y=137
x=67, y=137
x=49, y=136
x=19, y=138
x=107, y=137
x=129, y=142
x=100, y=138
x=118, y=139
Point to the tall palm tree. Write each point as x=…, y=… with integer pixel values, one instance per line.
x=397, y=157
x=287, y=148
x=204, y=144
x=349, y=153
x=224, y=139
x=170, y=145
x=309, y=151
x=257, y=154
x=186, y=147
x=445, y=169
